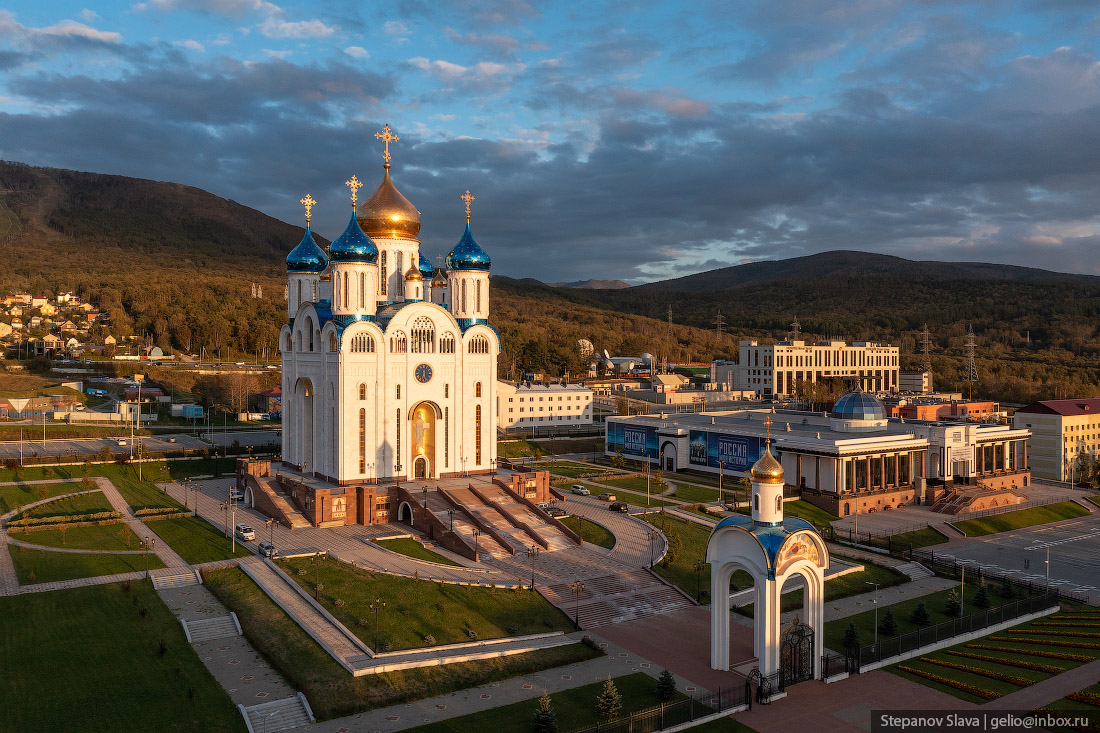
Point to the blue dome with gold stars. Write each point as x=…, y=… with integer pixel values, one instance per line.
x=468, y=254
x=307, y=256
x=425, y=267
x=353, y=245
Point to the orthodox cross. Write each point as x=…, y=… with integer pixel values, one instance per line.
x=467, y=198
x=387, y=137
x=768, y=427
x=439, y=261
x=308, y=202
x=354, y=185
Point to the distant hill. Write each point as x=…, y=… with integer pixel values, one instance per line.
x=592, y=285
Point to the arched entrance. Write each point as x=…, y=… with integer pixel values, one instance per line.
x=249, y=499
x=303, y=395
x=422, y=422
x=405, y=513
x=796, y=653
x=668, y=457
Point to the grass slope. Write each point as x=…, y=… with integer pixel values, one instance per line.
x=12, y=497
x=86, y=537
x=591, y=532
x=412, y=548
x=196, y=540
x=1022, y=518
x=46, y=566
x=331, y=691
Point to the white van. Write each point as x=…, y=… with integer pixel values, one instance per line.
x=244, y=532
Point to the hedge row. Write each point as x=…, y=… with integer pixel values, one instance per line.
x=1089, y=698
x=1034, y=652
x=1048, y=642
x=1035, y=666
x=1083, y=634
x=973, y=690
x=64, y=519
x=1009, y=678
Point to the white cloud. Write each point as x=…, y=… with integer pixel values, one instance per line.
x=189, y=44
x=88, y=15
x=276, y=28
x=271, y=54
x=11, y=28
x=232, y=8
x=219, y=40
x=357, y=52
x=449, y=72
x=396, y=29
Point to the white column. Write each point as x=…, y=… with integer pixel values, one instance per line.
x=720, y=616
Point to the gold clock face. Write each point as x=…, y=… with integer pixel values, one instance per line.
x=423, y=373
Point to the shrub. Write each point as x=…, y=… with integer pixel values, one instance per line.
x=982, y=599
x=544, y=721
x=548, y=623
x=513, y=630
x=609, y=705
x=1034, y=666
x=1007, y=589
x=952, y=606
x=920, y=617
x=1034, y=652
x=851, y=637
x=339, y=602
x=429, y=640
x=471, y=633
x=888, y=625
x=666, y=686
x=385, y=646
x=1000, y=677
x=971, y=689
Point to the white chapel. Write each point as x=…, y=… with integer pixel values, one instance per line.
x=389, y=365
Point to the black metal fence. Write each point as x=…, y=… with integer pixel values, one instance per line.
x=833, y=664
x=888, y=647
x=947, y=565
x=673, y=713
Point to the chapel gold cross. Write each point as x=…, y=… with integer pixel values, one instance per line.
x=386, y=137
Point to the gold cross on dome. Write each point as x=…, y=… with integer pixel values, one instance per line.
x=768, y=427
x=354, y=185
x=387, y=137
x=439, y=261
x=467, y=198
x=308, y=202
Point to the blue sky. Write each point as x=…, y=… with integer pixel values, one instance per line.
x=638, y=140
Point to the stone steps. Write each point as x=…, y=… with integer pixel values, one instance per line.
x=611, y=599
x=278, y=714
x=914, y=570
x=175, y=580
x=208, y=629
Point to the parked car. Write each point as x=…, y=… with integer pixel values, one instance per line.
x=618, y=506
x=556, y=511
x=236, y=495
x=580, y=490
x=607, y=496
x=171, y=440
x=244, y=532
x=543, y=505
x=121, y=442
x=268, y=550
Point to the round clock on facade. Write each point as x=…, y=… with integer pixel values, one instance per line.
x=423, y=373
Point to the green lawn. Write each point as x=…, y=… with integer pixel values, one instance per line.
x=681, y=571
x=331, y=691
x=805, y=510
x=573, y=708
x=137, y=493
x=1022, y=518
x=196, y=540
x=918, y=538
x=934, y=602
x=590, y=531
x=517, y=449
x=12, y=497
x=571, y=471
x=85, y=537
x=1004, y=658
x=627, y=496
x=72, y=506
x=694, y=493
x=1092, y=712
x=46, y=566
x=412, y=548
x=115, y=677
x=418, y=608
x=637, y=484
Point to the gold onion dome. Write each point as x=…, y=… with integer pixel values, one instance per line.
x=767, y=469
x=439, y=280
x=387, y=213
x=413, y=274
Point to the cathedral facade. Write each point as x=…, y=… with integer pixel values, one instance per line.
x=389, y=365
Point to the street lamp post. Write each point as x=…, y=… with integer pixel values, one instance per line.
x=377, y=606
x=697, y=567
x=721, y=496
x=271, y=526
x=533, y=553
x=451, y=515
x=876, y=613
x=578, y=590
x=477, y=549
x=224, y=506
x=149, y=542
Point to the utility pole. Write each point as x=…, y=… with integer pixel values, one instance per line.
x=670, y=320
x=971, y=368
x=796, y=329
x=719, y=322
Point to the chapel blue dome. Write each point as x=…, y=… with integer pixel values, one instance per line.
x=353, y=245
x=307, y=256
x=858, y=405
x=468, y=254
x=425, y=267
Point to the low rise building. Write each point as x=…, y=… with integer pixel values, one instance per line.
x=777, y=369
x=542, y=405
x=1060, y=431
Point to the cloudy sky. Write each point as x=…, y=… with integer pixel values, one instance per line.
x=635, y=140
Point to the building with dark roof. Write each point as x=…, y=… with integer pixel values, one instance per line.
x=1060, y=431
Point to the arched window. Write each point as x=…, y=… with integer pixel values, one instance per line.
x=362, y=289
x=332, y=342
x=477, y=436
x=362, y=391
x=299, y=301
x=779, y=503
x=477, y=389
x=398, y=343
x=399, y=391
x=479, y=345
x=289, y=346
x=384, y=275
x=362, y=434
x=399, y=270
x=446, y=391
x=299, y=340
x=345, y=290
x=447, y=343
x=309, y=328
x=756, y=502
x=423, y=336
x=477, y=286
x=314, y=284
x=362, y=344
x=463, y=296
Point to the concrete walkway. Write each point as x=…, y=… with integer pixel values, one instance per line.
x=1049, y=690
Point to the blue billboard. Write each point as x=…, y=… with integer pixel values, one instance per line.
x=736, y=452
x=632, y=440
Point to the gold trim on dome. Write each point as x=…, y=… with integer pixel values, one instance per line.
x=387, y=213
x=767, y=469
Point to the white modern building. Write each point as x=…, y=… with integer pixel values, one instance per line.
x=389, y=367
x=775, y=369
x=542, y=405
x=1060, y=431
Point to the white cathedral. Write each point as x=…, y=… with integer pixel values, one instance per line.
x=389, y=366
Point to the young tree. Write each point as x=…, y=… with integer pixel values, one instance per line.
x=609, y=705
x=545, y=721
x=952, y=607
x=981, y=600
x=888, y=625
x=920, y=617
x=1007, y=589
x=666, y=686
x=851, y=637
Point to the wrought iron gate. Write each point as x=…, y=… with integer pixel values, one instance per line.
x=796, y=653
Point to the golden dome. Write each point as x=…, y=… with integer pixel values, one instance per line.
x=768, y=469
x=439, y=280
x=413, y=274
x=387, y=213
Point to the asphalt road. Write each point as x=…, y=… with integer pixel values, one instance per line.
x=78, y=448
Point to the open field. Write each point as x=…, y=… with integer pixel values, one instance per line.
x=85, y=537
x=118, y=678
x=44, y=566
x=1022, y=518
x=416, y=609
x=590, y=531
x=573, y=708
x=331, y=691
x=20, y=495
x=72, y=506
x=412, y=548
x=138, y=493
x=195, y=540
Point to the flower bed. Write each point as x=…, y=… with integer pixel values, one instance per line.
x=156, y=511
x=1089, y=698
x=1009, y=678
x=1070, y=624
x=1050, y=642
x=1084, y=634
x=967, y=688
x=1034, y=652
x=64, y=519
x=1048, y=668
